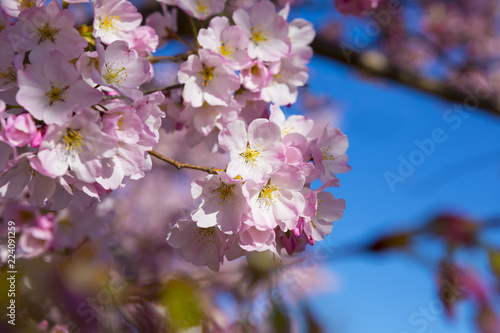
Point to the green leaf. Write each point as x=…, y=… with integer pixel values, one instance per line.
x=182, y=305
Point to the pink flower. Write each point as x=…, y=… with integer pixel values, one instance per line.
x=208, y=117
x=223, y=204
x=256, y=76
x=14, y=7
x=328, y=210
x=201, y=246
x=253, y=239
x=20, y=130
x=287, y=75
x=45, y=29
x=256, y=155
x=121, y=69
x=207, y=79
x=114, y=20
x=228, y=41
x=279, y=202
x=164, y=25
x=266, y=31
x=34, y=242
x=355, y=7
x=77, y=146
x=292, y=124
x=50, y=92
x=201, y=9
x=144, y=40
x=8, y=68
x=329, y=153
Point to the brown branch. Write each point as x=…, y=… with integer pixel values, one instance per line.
x=177, y=58
x=180, y=165
x=377, y=64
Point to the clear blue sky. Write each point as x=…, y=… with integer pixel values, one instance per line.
x=383, y=120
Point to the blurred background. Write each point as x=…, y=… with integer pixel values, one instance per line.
x=414, y=86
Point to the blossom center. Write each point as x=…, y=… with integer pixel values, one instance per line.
x=114, y=75
x=250, y=155
x=327, y=156
x=207, y=75
x=109, y=22
x=225, y=192
x=268, y=195
x=73, y=141
x=201, y=7
x=258, y=35
x=23, y=4
x=7, y=74
x=225, y=50
x=55, y=94
x=204, y=235
x=47, y=32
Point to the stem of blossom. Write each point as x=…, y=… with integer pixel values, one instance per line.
x=195, y=31
x=177, y=58
x=180, y=165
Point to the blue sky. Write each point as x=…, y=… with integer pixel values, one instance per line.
x=383, y=120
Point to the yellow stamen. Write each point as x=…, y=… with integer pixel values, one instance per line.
x=55, y=94
x=73, y=141
x=109, y=22
x=47, y=32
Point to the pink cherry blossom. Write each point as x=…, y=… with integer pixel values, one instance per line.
x=287, y=75
x=266, y=31
x=34, y=241
x=48, y=28
x=207, y=79
x=121, y=68
x=253, y=239
x=201, y=246
x=279, y=202
x=201, y=9
x=77, y=145
x=114, y=20
x=256, y=76
x=329, y=153
x=223, y=204
x=329, y=210
x=20, y=130
x=228, y=41
x=208, y=117
x=14, y=7
x=256, y=155
x=8, y=66
x=164, y=24
x=50, y=92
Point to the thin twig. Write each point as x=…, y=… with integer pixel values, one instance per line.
x=180, y=165
x=176, y=58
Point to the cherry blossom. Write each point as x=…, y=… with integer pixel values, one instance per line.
x=267, y=32
x=48, y=28
x=207, y=79
x=254, y=155
x=201, y=9
x=52, y=90
x=114, y=20
x=223, y=203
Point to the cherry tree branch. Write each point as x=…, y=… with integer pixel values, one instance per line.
x=180, y=165
x=377, y=64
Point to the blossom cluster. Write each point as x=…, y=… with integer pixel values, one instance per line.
x=77, y=120
x=74, y=123
x=263, y=201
